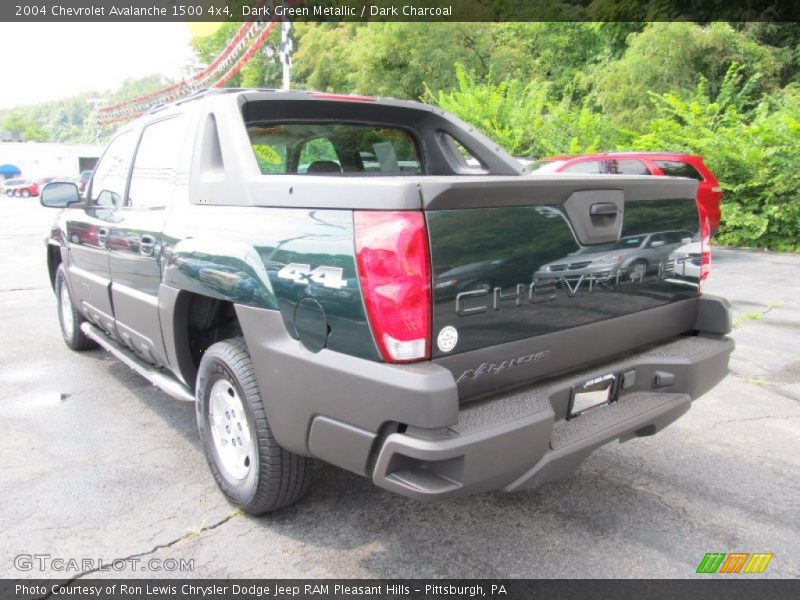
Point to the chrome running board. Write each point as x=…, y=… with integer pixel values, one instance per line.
x=166, y=383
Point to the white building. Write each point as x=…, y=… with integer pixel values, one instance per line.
x=36, y=161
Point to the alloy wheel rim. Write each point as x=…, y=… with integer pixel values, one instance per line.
x=230, y=430
x=67, y=321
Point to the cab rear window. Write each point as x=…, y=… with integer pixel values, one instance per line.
x=333, y=149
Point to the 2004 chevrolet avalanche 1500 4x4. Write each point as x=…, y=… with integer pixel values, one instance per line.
x=373, y=283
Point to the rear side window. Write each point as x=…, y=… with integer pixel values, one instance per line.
x=587, y=166
x=626, y=167
x=153, y=178
x=675, y=168
x=462, y=157
x=333, y=148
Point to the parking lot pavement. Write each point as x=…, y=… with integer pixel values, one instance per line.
x=97, y=463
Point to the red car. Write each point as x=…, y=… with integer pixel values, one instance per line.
x=21, y=187
x=673, y=164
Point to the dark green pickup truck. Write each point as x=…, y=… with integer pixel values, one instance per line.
x=374, y=283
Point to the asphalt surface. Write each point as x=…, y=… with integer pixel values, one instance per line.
x=97, y=463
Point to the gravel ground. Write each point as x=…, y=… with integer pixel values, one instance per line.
x=97, y=463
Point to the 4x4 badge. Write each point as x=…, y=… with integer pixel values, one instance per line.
x=330, y=277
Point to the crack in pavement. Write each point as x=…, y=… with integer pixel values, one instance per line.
x=24, y=289
x=772, y=387
x=137, y=555
x=786, y=418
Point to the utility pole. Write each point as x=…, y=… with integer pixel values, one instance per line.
x=95, y=115
x=286, y=49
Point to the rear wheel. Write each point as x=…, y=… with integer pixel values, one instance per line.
x=251, y=469
x=26, y=193
x=68, y=316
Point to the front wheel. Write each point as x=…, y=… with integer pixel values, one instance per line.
x=68, y=316
x=638, y=270
x=251, y=469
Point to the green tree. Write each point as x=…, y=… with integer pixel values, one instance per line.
x=558, y=53
x=398, y=59
x=322, y=60
x=668, y=57
x=26, y=128
x=14, y=123
x=525, y=118
x=752, y=152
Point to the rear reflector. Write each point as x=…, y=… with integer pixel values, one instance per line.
x=394, y=270
x=705, y=245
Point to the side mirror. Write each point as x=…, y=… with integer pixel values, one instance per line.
x=657, y=244
x=59, y=194
x=686, y=240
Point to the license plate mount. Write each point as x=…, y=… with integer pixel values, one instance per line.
x=592, y=394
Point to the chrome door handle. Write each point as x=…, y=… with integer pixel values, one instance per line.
x=147, y=245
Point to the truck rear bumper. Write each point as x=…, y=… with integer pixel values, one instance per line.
x=522, y=439
x=403, y=425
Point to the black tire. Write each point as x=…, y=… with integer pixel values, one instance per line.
x=275, y=477
x=70, y=328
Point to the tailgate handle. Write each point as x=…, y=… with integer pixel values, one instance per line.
x=603, y=208
x=595, y=215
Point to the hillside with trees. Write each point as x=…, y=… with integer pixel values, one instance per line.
x=72, y=120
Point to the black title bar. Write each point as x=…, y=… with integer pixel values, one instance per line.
x=398, y=10
x=733, y=588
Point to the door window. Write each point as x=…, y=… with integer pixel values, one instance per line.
x=626, y=166
x=153, y=177
x=587, y=166
x=657, y=240
x=111, y=174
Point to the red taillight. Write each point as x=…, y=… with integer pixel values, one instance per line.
x=394, y=268
x=705, y=245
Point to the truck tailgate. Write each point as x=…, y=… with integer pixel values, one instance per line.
x=535, y=276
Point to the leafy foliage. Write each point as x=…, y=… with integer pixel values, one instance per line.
x=27, y=129
x=668, y=57
x=526, y=118
x=748, y=140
